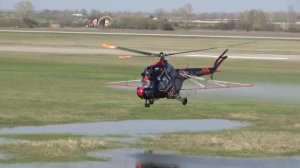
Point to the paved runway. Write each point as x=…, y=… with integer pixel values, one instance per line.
x=87, y=51
x=200, y=33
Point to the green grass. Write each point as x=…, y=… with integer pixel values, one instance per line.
x=38, y=89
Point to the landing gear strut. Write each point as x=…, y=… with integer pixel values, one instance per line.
x=148, y=103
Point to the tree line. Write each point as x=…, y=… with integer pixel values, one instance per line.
x=24, y=15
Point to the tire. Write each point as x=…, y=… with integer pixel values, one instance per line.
x=184, y=101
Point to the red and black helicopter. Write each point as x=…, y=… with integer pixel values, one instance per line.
x=162, y=80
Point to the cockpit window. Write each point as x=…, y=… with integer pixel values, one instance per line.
x=146, y=84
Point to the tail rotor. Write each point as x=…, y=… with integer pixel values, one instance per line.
x=218, y=62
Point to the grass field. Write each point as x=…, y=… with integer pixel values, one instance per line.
x=45, y=89
x=39, y=89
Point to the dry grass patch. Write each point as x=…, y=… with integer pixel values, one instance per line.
x=234, y=143
x=55, y=150
x=296, y=125
x=57, y=146
x=245, y=116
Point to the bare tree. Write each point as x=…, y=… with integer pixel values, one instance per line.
x=291, y=15
x=84, y=12
x=292, y=19
x=253, y=20
x=160, y=13
x=185, y=11
x=183, y=14
x=0, y=7
x=24, y=9
x=95, y=13
x=188, y=8
x=65, y=18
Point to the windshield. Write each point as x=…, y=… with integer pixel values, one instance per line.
x=145, y=83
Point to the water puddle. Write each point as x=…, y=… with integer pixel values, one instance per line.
x=130, y=127
x=137, y=158
x=286, y=93
x=4, y=141
x=122, y=131
x=2, y=156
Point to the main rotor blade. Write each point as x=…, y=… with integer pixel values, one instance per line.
x=184, y=52
x=233, y=45
x=129, y=50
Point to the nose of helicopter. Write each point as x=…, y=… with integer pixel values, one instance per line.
x=140, y=92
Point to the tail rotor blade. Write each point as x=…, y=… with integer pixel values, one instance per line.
x=224, y=53
x=220, y=58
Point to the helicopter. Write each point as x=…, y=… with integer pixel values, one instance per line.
x=162, y=80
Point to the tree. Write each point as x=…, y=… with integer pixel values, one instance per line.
x=0, y=8
x=160, y=13
x=188, y=8
x=291, y=15
x=95, y=13
x=24, y=9
x=253, y=20
x=84, y=12
x=183, y=14
x=185, y=11
x=65, y=18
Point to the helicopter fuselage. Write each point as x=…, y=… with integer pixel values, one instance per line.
x=162, y=80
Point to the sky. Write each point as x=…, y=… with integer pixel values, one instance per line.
x=151, y=5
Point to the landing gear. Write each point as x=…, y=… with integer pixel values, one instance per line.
x=183, y=100
x=149, y=102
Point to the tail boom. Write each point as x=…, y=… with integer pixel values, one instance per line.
x=204, y=71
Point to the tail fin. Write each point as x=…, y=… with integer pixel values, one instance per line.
x=218, y=62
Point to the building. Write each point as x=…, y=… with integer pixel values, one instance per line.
x=101, y=22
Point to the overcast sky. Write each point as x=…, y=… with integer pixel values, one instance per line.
x=151, y=5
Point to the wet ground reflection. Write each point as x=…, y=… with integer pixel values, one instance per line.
x=137, y=158
x=175, y=161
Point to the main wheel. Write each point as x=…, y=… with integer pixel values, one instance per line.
x=184, y=101
x=151, y=101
